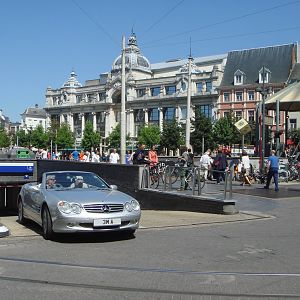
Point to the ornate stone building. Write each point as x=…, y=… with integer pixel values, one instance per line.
x=154, y=93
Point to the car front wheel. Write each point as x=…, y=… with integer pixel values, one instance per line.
x=47, y=224
x=21, y=218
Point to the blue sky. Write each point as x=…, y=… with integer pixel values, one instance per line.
x=43, y=41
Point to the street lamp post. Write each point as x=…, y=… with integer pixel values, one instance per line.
x=262, y=121
x=188, y=106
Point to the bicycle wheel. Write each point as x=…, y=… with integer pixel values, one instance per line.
x=154, y=181
x=174, y=175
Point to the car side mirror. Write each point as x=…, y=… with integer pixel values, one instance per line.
x=113, y=187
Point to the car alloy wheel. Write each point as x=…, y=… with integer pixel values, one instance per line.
x=21, y=218
x=47, y=224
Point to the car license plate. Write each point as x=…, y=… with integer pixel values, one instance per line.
x=107, y=222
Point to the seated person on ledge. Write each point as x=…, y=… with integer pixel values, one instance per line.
x=79, y=183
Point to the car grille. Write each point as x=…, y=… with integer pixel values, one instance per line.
x=103, y=208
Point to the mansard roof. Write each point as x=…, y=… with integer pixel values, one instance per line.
x=277, y=59
x=35, y=112
x=295, y=74
x=177, y=63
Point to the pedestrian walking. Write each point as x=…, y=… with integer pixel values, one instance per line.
x=272, y=166
x=205, y=163
x=220, y=165
x=114, y=157
x=245, y=168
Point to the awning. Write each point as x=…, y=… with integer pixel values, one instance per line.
x=289, y=98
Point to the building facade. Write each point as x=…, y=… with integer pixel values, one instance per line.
x=154, y=93
x=33, y=117
x=252, y=74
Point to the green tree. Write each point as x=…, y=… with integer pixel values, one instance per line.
x=39, y=138
x=4, y=138
x=225, y=133
x=172, y=135
x=20, y=138
x=202, y=129
x=114, y=138
x=64, y=137
x=91, y=139
x=149, y=135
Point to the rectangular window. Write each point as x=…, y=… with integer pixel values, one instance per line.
x=139, y=116
x=250, y=95
x=251, y=116
x=208, y=86
x=170, y=90
x=239, y=96
x=140, y=92
x=293, y=123
x=226, y=114
x=78, y=98
x=183, y=113
x=155, y=91
x=154, y=115
x=238, y=114
x=169, y=113
x=199, y=87
x=226, y=97
x=206, y=110
x=90, y=97
x=238, y=78
x=102, y=96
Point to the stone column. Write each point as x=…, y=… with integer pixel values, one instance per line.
x=146, y=116
x=130, y=122
x=94, y=121
x=107, y=123
x=71, y=122
x=161, y=118
x=82, y=124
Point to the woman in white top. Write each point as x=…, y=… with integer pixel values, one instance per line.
x=245, y=168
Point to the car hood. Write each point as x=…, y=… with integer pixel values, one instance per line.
x=91, y=196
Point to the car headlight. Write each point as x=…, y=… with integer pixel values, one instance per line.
x=68, y=208
x=132, y=205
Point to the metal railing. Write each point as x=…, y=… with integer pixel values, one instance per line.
x=196, y=181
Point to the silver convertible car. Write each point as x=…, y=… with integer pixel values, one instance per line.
x=75, y=201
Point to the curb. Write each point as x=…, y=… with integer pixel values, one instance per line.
x=3, y=231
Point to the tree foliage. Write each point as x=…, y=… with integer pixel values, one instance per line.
x=65, y=137
x=91, y=139
x=202, y=130
x=114, y=138
x=38, y=137
x=4, y=138
x=225, y=133
x=172, y=135
x=21, y=139
x=149, y=135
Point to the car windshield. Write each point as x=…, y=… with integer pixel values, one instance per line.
x=74, y=180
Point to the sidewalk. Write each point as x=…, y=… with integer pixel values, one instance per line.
x=151, y=219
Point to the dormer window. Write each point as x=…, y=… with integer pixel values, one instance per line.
x=264, y=75
x=239, y=77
